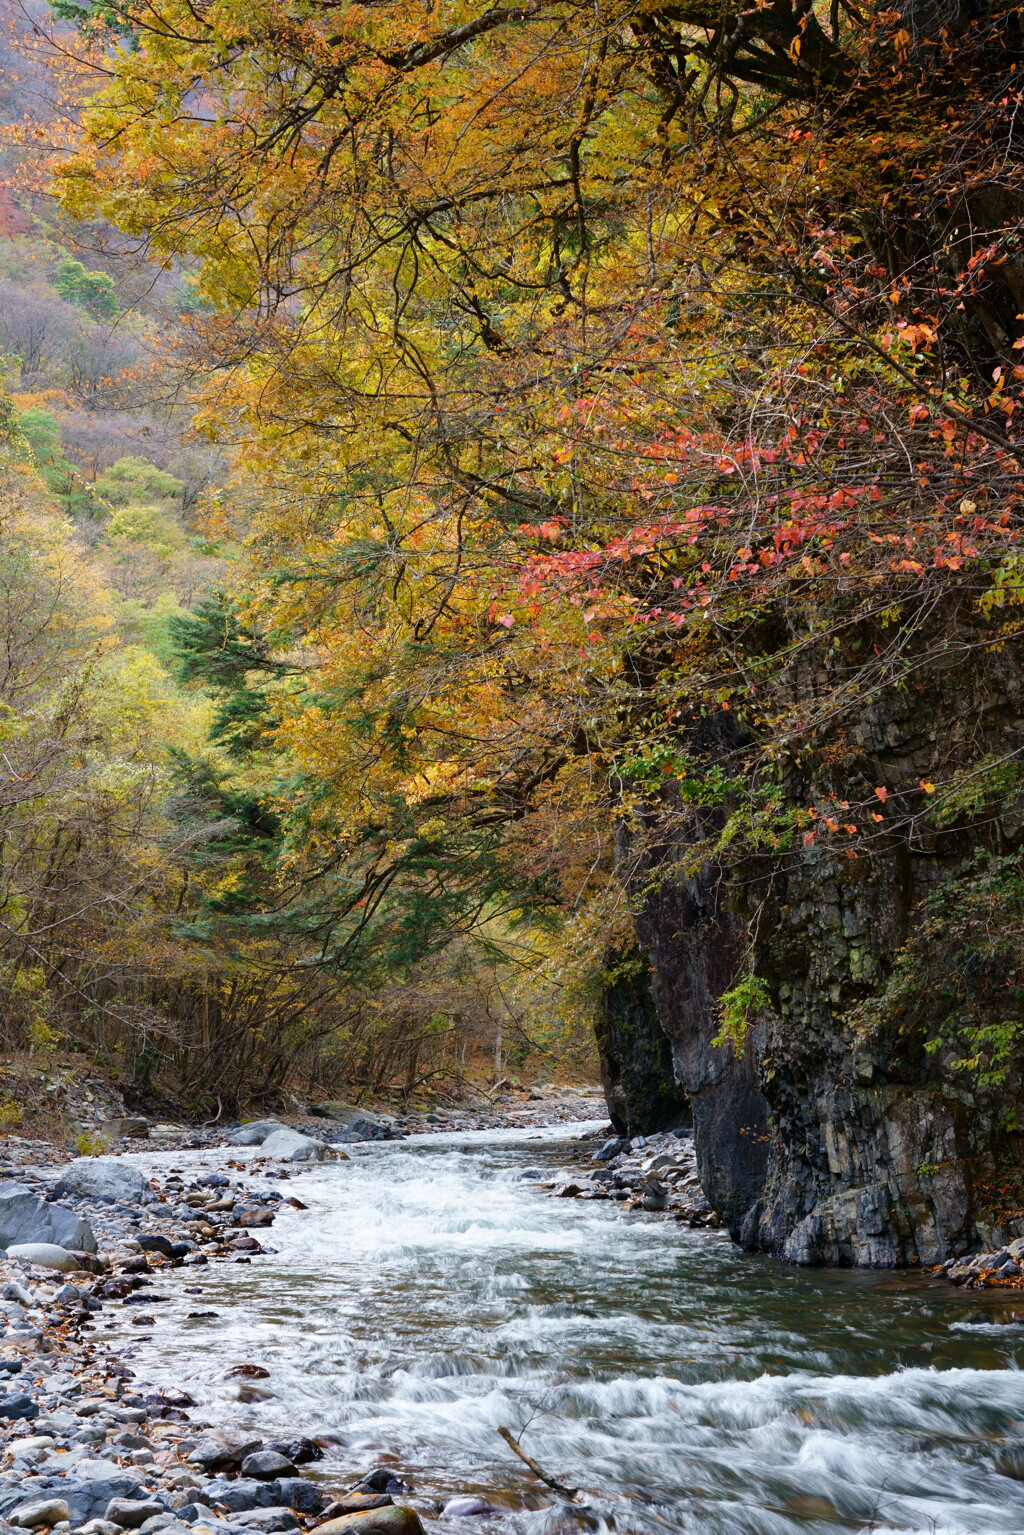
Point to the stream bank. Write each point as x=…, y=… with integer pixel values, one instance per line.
x=423, y=1294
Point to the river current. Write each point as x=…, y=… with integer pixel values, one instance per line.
x=429, y=1295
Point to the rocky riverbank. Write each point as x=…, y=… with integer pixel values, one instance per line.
x=656, y=1173
x=86, y=1451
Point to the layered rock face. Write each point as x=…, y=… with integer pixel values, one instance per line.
x=694, y=945
x=637, y=1072
x=848, y=1130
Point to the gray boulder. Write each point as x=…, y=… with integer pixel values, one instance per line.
x=103, y=1178
x=270, y=1520
x=290, y=1146
x=131, y=1127
x=41, y=1511
x=255, y=1133
x=130, y=1513
x=265, y=1465
x=24, y=1217
x=46, y=1255
x=85, y=1499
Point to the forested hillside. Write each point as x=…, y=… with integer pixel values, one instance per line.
x=598, y=583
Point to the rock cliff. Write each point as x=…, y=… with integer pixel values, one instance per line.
x=872, y=1116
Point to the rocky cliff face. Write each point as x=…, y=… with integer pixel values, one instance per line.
x=849, y=1131
x=637, y=1073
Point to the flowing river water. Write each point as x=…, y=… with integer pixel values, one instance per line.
x=429, y=1295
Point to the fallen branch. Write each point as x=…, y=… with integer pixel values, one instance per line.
x=515, y=1447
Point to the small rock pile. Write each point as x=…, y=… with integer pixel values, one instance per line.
x=657, y=1173
x=1004, y=1268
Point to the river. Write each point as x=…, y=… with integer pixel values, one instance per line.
x=429, y=1295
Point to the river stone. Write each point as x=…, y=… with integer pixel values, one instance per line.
x=24, y=1217
x=295, y=1492
x=130, y=1513
x=265, y=1465
x=254, y=1134
x=47, y=1256
x=395, y=1520
x=105, y=1178
x=44, y=1511
x=213, y=1452
x=270, y=1519
x=290, y=1146
x=467, y=1506
x=85, y=1499
x=357, y=1504
x=12, y=1408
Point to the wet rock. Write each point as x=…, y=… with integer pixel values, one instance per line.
x=299, y=1451
x=382, y=1480
x=47, y=1255
x=610, y=1149
x=45, y=1511
x=103, y=1178
x=295, y=1492
x=87, y=1498
x=467, y=1507
x=265, y=1465
x=270, y=1519
x=212, y=1453
x=394, y=1520
x=132, y=1513
x=241, y=1495
x=254, y=1134
x=24, y=1217
x=291, y=1146
x=359, y=1503
x=154, y=1243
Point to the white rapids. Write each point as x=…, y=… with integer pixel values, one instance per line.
x=429, y=1296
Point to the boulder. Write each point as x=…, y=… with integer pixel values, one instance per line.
x=295, y=1492
x=130, y=1513
x=341, y=1113
x=357, y=1503
x=134, y=1127
x=265, y=1465
x=103, y=1178
x=85, y=1499
x=46, y=1255
x=241, y=1494
x=152, y=1243
x=214, y=1452
x=41, y=1511
x=394, y=1520
x=24, y=1217
x=270, y=1519
x=254, y=1134
x=291, y=1146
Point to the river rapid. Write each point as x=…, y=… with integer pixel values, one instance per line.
x=429, y=1295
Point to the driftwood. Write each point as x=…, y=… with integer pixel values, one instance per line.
x=516, y=1448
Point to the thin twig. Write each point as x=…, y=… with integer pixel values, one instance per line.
x=514, y=1446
